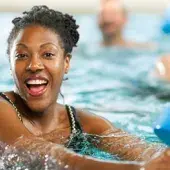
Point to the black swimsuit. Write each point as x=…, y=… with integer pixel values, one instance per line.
x=76, y=131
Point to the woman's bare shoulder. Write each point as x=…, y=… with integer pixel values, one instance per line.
x=6, y=109
x=93, y=123
x=11, y=127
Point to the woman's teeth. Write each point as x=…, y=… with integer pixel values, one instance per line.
x=36, y=82
x=36, y=87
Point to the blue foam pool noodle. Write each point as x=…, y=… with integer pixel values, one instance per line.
x=162, y=126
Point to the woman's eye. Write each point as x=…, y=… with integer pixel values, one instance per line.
x=48, y=55
x=21, y=56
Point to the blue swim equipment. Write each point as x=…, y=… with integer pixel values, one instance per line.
x=166, y=22
x=162, y=126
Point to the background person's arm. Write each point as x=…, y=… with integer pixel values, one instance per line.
x=162, y=68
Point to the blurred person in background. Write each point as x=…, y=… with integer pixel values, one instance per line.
x=112, y=19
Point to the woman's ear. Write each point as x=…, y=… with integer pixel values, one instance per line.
x=67, y=63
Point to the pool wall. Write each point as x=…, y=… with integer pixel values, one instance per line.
x=83, y=6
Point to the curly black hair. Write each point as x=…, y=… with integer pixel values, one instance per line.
x=62, y=24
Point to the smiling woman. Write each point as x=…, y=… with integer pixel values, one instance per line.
x=39, y=49
x=38, y=64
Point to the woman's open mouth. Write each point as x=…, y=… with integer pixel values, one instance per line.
x=36, y=86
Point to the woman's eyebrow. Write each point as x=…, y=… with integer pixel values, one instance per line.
x=25, y=46
x=49, y=43
x=21, y=44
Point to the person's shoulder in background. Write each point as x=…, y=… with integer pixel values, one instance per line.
x=162, y=68
x=139, y=45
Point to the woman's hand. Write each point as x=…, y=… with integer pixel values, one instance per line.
x=162, y=162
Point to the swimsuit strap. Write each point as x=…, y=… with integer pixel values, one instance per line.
x=75, y=139
x=6, y=98
x=3, y=95
x=74, y=122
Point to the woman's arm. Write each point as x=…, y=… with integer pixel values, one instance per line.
x=116, y=141
x=68, y=159
x=127, y=146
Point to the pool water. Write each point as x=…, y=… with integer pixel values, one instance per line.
x=116, y=82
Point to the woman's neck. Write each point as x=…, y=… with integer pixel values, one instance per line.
x=34, y=116
x=55, y=116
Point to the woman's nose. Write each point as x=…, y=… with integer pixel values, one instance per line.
x=35, y=64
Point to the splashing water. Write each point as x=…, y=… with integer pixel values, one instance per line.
x=14, y=159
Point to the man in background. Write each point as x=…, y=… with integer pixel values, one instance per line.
x=112, y=19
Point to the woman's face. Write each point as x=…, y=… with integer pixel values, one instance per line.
x=38, y=65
